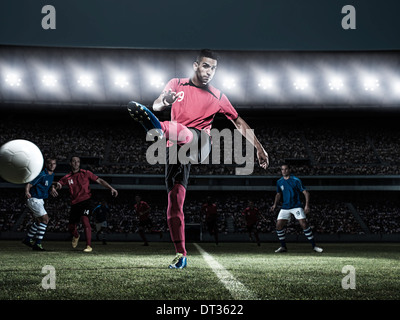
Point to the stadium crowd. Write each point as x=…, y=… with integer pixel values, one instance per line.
x=320, y=148
x=328, y=215
x=118, y=147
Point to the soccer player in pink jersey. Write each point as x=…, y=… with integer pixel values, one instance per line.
x=78, y=182
x=194, y=104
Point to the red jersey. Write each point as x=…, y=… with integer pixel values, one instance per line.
x=210, y=211
x=79, y=184
x=140, y=209
x=196, y=107
x=251, y=215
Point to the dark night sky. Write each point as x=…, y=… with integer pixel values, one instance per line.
x=218, y=24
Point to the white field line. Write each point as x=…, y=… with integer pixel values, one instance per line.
x=237, y=290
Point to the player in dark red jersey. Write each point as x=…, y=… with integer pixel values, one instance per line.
x=194, y=104
x=142, y=209
x=78, y=182
x=252, y=216
x=209, y=210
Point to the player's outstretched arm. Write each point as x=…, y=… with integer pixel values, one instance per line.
x=164, y=100
x=248, y=133
x=105, y=184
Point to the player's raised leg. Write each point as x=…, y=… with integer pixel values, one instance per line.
x=171, y=130
x=146, y=118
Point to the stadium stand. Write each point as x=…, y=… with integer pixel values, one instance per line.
x=316, y=147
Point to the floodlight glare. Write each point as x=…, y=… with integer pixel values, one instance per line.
x=371, y=84
x=336, y=84
x=300, y=83
x=156, y=81
x=85, y=81
x=266, y=83
x=121, y=81
x=49, y=80
x=229, y=83
x=13, y=80
x=396, y=87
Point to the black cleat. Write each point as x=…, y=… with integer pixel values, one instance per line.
x=38, y=247
x=28, y=242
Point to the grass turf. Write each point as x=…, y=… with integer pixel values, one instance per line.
x=130, y=271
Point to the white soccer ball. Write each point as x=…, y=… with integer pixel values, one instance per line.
x=20, y=161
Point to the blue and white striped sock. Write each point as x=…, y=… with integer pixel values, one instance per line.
x=309, y=235
x=41, y=230
x=282, y=237
x=32, y=230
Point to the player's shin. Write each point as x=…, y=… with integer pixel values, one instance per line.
x=175, y=217
x=282, y=237
x=309, y=235
x=87, y=230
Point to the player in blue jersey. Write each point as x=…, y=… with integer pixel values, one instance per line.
x=101, y=213
x=290, y=188
x=36, y=192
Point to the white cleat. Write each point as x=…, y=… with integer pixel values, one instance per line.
x=281, y=249
x=318, y=249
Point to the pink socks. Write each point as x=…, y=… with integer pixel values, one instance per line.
x=175, y=217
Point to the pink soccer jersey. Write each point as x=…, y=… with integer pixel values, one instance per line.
x=196, y=107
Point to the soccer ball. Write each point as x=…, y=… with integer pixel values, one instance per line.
x=20, y=161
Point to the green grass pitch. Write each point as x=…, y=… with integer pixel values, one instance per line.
x=130, y=271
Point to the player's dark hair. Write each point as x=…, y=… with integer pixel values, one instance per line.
x=284, y=164
x=49, y=159
x=70, y=159
x=206, y=53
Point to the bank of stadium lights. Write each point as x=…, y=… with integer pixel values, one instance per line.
x=229, y=83
x=13, y=79
x=335, y=84
x=396, y=87
x=266, y=83
x=49, y=80
x=371, y=84
x=157, y=81
x=301, y=83
x=121, y=81
x=85, y=80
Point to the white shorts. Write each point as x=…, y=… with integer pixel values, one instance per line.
x=285, y=214
x=100, y=225
x=37, y=207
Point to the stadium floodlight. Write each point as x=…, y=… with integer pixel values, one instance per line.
x=336, y=84
x=371, y=84
x=266, y=83
x=229, y=82
x=49, y=80
x=156, y=80
x=393, y=82
x=396, y=87
x=301, y=83
x=121, y=81
x=13, y=79
x=85, y=80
